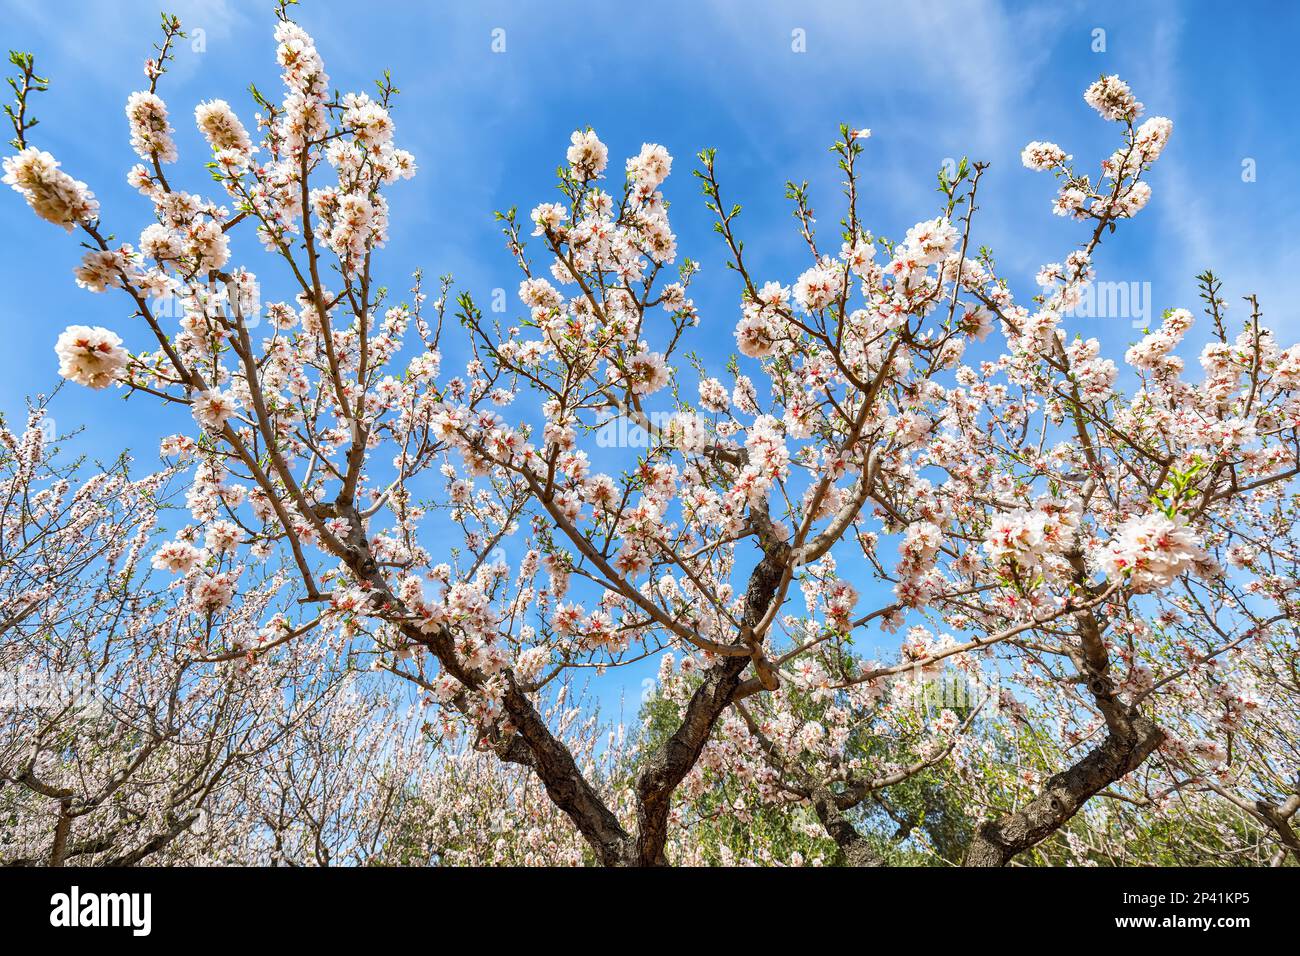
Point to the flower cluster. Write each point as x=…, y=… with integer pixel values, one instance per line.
x=1151, y=551
x=53, y=195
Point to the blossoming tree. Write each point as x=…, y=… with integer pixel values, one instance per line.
x=120, y=729
x=1019, y=520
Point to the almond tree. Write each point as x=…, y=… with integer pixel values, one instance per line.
x=362, y=783
x=126, y=719
x=1023, y=515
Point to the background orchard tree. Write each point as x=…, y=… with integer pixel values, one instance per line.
x=361, y=784
x=124, y=721
x=1032, y=529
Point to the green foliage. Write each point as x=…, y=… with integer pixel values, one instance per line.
x=1179, y=488
x=719, y=830
x=922, y=821
x=23, y=85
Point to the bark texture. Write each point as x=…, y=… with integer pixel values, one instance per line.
x=998, y=841
x=667, y=767
x=853, y=849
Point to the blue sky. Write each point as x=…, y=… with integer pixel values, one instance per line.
x=933, y=81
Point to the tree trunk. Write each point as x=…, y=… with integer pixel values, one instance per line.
x=998, y=841
x=853, y=848
x=666, y=768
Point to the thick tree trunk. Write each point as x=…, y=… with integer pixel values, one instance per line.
x=998, y=841
x=1130, y=739
x=853, y=849
x=666, y=768
x=565, y=783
